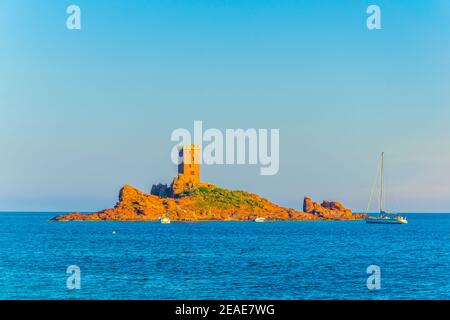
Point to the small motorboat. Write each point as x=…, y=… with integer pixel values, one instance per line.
x=164, y=220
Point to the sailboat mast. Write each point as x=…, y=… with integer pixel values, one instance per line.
x=382, y=183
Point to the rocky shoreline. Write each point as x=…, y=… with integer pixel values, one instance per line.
x=209, y=203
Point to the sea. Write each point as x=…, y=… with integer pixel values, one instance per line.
x=40, y=259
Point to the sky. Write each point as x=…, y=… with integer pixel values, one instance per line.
x=83, y=112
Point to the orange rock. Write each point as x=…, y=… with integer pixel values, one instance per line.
x=329, y=210
x=208, y=203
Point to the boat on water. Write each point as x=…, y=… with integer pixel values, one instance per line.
x=384, y=217
x=164, y=220
x=259, y=220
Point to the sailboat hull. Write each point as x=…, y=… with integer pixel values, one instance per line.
x=386, y=220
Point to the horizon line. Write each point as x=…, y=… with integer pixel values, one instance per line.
x=89, y=212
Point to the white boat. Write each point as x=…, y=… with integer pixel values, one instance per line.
x=164, y=220
x=384, y=217
x=259, y=220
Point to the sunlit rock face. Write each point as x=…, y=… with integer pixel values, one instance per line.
x=329, y=210
x=208, y=203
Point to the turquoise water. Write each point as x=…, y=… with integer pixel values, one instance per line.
x=227, y=260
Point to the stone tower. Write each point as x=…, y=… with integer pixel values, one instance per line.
x=188, y=174
x=188, y=169
x=190, y=163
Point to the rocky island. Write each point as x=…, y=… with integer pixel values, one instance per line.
x=188, y=199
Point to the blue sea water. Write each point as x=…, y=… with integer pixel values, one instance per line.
x=223, y=260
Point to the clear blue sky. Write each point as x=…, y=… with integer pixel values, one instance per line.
x=84, y=112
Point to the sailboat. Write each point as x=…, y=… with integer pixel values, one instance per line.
x=384, y=217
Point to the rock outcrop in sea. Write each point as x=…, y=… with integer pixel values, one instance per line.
x=208, y=204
